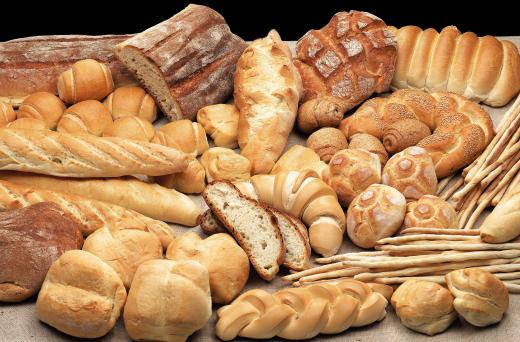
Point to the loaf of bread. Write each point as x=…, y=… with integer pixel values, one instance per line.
x=193, y=55
x=503, y=224
x=131, y=101
x=224, y=164
x=267, y=90
x=300, y=158
x=168, y=301
x=81, y=296
x=27, y=123
x=87, y=79
x=480, y=68
x=43, y=106
x=301, y=313
x=225, y=260
x=67, y=155
x=221, y=122
x=326, y=142
x=89, y=116
x=7, y=113
x=430, y=212
x=130, y=127
x=367, y=142
x=32, y=239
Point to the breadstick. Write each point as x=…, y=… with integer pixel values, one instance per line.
x=471, y=203
x=349, y=272
x=399, y=239
x=452, y=188
x=315, y=270
x=334, y=258
x=399, y=280
x=513, y=288
x=510, y=187
x=442, y=184
x=452, y=247
x=444, y=231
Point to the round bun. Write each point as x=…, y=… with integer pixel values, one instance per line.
x=367, y=142
x=131, y=101
x=43, y=106
x=27, y=123
x=224, y=164
x=130, y=127
x=7, y=113
x=374, y=214
x=88, y=116
x=432, y=212
x=326, y=142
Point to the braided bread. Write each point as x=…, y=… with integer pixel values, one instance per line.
x=66, y=155
x=461, y=128
x=301, y=313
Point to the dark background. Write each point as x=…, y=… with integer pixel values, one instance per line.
x=249, y=18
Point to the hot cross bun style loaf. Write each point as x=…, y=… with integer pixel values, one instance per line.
x=431, y=212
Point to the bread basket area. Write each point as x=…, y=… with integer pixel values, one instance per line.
x=359, y=184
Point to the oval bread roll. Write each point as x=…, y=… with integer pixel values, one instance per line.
x=27, y=123
x=130, y=127
x=221, y=122
x=88, y=116
x=42, y=106
x=184, y=135
x=224, y=164
x=131, y=101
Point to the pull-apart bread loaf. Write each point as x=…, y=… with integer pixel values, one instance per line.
x=186, y=62
x=482, y=69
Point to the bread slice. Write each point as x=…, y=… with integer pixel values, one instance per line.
x=251, y=223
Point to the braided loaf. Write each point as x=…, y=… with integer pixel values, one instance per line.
x=301, y=313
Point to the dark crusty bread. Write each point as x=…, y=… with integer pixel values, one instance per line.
x=31, y=239
x=251, y=223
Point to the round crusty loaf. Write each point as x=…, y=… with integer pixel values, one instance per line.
x=88, y=116
x=7, y=113
x=42, y=106
x=130, y=127
x=430, y=212
x=367, y=142
x=221, y=122
x=326, y=142
x=224, y=164
x=27, y=123
x=131, y=101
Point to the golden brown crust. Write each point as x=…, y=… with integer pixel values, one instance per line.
x=27, y=123
x=131, y=101
x=404, y=133
x=85, y=117
x=430, y=212
x=225, y=164
x=130, y=127
x=43, y=106
x=7, y=113
x=326, y=142
x=221, y=122
x=367, y=142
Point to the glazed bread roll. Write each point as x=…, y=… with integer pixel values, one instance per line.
x=190, y=181
x=480, y=68
x=431, y=212
x=7, y=113
x=87, y=79
x=67, y=155
x=376, y=213
x=326, y=142
x=183, y=135
x=88, y=116
x=27, y=123
x=412, y=172
x=43, y=106
x=424, y=306
x=168, y=301
x=267, y=90
x=367, y=142
x=221, y=122
x=130, y=127
x=79, y=289
x=480, y=297
x=352, y=171
x=503, y=224
x=131, y=101
x=225, y=260
x=300, y=158
x=224, y=164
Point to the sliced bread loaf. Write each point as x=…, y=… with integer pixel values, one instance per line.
x=251, y=223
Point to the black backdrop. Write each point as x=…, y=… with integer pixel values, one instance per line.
x=248, y=18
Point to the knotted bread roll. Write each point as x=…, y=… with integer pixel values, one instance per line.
x=221, y=122
x=130, y=127
x=88, y=116
x=43, y=106
x=430, y=212
x=131, y=101
x=7, y=113
x=224, y=164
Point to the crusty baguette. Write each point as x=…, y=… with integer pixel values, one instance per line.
x=151, y=200
x=66, y=155
x=90, y=214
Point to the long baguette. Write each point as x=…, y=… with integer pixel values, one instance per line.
x=151, y=200
x=66, y=155
x=90, y=214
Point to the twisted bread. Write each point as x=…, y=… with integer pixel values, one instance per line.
x=461, y=128
x=301, y=313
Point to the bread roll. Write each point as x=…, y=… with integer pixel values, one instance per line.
x=480, y=297
x=326, y=142
x=190, y=181
x=300, y=158
x=168, y=301
x=131, y=101
x=27, y=123
x=183, y=135
x=89, y=116
x=376, y=213
x=43, y=106
x=404, y=133
x=7, y=113
x=503, y=224
x=351, y=172
x=130, y=127
x=87, y=79
x=210, y=224
x=430, y=212
x=424, y=306
x=81, y=296
x=367, y=142
x=224, y=164
x=412, y=172
x=221, y=122
x=225, y=260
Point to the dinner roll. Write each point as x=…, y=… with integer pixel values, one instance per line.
x=27, y=123
x=363, y=141
x=432, y=212
x=131, y=101
x=88, y=116
x=326, y=142
x=7, y=113
x=130, y=127
x=42, y=106
x=225, y=164
x=184, y=135
x=221, y=122
x=190, y=181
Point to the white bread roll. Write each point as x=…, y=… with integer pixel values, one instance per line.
x=224, y=164
x=221, y=122
x=300, y=158
x=89, y=116
x=130, y=127
x=131, y=101
x=42, y=106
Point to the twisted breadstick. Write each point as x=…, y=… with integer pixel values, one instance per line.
x=302, y=313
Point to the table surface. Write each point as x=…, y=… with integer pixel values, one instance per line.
x=18, y=322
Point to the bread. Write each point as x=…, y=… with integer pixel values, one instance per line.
x=190, y=181
x=131, y=101
x=304, y=196
x=431, y=212
x=7, y=113
x=367, y=142
x=186, y=62
x=91, y=215
x=27, y=123
x=301, y=313
x=267, y=90
x=352, y=171
x=503, y=224
x=480, y=297
x=210, y=224
x=124, y=249
x=412, y=172
x=252, y=224
x=32, y=239
x=480, y=68
x=341, y=65
x=299, y=158
x=183, y=135
x=326, y=142
x=224, y=164
x=404, y=133
x=89, y=116
x=461, y=128
x=42, y=106
x=376, y=213
x=67, y=155
x=87, y=79
x=424, y=306
x=168, y=301
x=79, y=289
x=130, y=127
x=226, y=262
x=220, y=121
